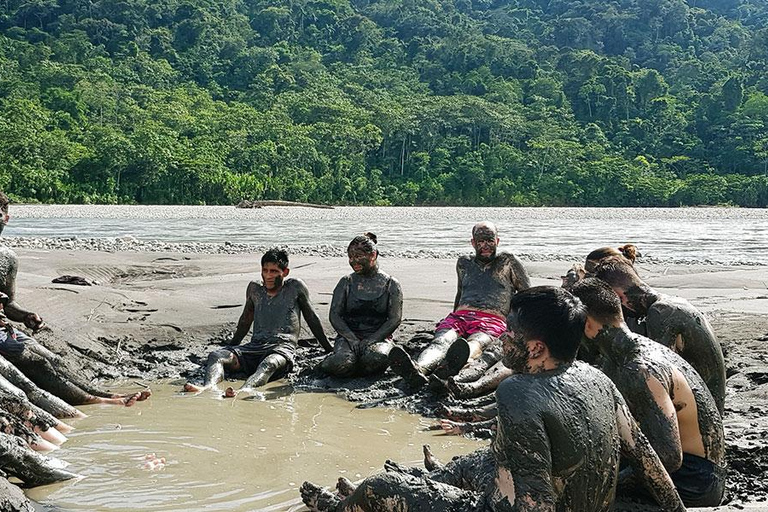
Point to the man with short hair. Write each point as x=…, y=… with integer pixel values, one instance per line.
x=274, y=308
x=664, y=393
x=32, y=361
x=562, y=425
x=487, y=282
x=671, y=321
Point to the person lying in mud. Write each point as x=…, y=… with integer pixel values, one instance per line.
x=562, y=425
x=274, y=308
x=671, y=321
x=36, y=362
x=486, y=283
x=366, y=309
x=664, y=393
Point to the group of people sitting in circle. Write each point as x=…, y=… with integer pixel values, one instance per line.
x=602, y=385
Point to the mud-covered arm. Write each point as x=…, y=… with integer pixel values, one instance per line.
x=523, y=454
x=394, y=313
x=659, y=326
x=645, y=463
x=313, y=322
x=13, y=310
x=520, y=279
x=246, y=318
x=460, y=275
x=336, y=313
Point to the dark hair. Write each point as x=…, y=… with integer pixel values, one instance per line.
x=601, y=301
x=618, y=272
x=367, y=242
x=4, y=201
x=277, y=256
x=552, y=315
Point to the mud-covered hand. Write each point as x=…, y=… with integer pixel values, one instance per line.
x=33, y=321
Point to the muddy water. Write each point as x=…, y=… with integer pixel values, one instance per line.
x=232, y=454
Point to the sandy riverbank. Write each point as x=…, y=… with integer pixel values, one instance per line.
x=156, y=315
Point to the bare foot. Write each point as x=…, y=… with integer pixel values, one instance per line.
x=345, y=487
x=130, y=400
x=452, y=428
x=391, y=466
x=52, y=435
x=43, y=446
x=193, y=388
x=318, y=499
x=402, y=364
x=63, y=427
x=230, y=392
x=430, y=461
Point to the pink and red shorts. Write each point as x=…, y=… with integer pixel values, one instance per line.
x=467, y=322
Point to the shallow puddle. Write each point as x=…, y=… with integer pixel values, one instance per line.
x=238, y=454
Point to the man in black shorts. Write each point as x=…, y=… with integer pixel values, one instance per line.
x=273, y=308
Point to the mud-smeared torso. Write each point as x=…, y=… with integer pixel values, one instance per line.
x=637, y=358
x=671, y=316
x=490, y=287
x=566, y=416
x=366, y=305
x=278, y=316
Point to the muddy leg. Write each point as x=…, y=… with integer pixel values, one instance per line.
x=342, y=362
x=434, y=354
x=486, y=384
x=270, y=365
x=218, y=361
x=31, y=468
x=375, y=358
x=12, y=380
x=479, y=366
x=455, y=359
x=430, y=461
x=413, y=372
x=478, y=342
x=318, y=499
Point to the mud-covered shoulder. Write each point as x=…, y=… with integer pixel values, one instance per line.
x=518, y=393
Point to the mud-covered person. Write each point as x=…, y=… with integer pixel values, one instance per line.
x=273, y=308
x=671, y=321
x=664, y=393
x=487, y=281
x=38, y=364
x=562, y=426
x=366, y=309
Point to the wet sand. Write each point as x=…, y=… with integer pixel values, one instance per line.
x=157, y=315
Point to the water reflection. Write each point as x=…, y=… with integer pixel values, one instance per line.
x=232, y=454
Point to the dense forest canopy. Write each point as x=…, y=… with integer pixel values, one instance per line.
x=461, y=102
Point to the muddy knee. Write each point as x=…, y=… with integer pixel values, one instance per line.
x=374, y=361
x=339, y=364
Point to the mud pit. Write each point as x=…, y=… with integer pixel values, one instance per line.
x=156, y=316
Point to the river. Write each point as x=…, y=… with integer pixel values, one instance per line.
x=720, y=235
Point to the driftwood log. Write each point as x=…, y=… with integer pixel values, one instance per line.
x=260, y=204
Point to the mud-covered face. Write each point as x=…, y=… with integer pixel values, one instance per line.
x=485, y=242
x=272, y=276
x=515, y=348
x=362, y=262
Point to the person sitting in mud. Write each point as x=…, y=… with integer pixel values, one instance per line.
x=273, y=307
x=562, y=425
x=486, y=283
x=44, y=368
x=366, y=309
x=671, y=321
x=664, y=393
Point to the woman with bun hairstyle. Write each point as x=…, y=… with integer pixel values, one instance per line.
x=628, y=251
x=366, y=309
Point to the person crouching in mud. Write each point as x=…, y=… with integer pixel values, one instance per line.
x=366, y=309
x=487, y=281
x=562, y=426
x=273, y=308
x=664, y=393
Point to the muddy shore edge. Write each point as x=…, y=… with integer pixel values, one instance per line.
x=156, y=315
